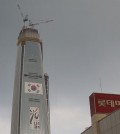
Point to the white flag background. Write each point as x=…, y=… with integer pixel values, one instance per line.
x=34, y=118
x=33, y=88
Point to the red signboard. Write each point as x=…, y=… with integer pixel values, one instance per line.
x=104, y=103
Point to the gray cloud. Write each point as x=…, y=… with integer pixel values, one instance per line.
x=80, y=47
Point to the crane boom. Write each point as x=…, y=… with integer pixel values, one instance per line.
x=24, y=17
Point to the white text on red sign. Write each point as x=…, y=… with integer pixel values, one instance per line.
x=112, y=103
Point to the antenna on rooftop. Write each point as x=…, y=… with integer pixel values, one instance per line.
x=100, y=84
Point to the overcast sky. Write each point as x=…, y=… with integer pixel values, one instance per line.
x=81, y=47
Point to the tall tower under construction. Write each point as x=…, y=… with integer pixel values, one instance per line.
x=30, y=111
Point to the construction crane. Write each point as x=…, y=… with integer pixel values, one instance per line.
x=40, y=21
x=25, y=17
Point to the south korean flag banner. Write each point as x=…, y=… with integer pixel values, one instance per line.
x=33, y=88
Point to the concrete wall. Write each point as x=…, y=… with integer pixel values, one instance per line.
x=110, y=124
x=107, y=125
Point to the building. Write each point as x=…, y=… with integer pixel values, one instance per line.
x=30, y=111
x=105, y=114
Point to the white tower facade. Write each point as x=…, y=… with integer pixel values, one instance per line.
x=30, y=112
